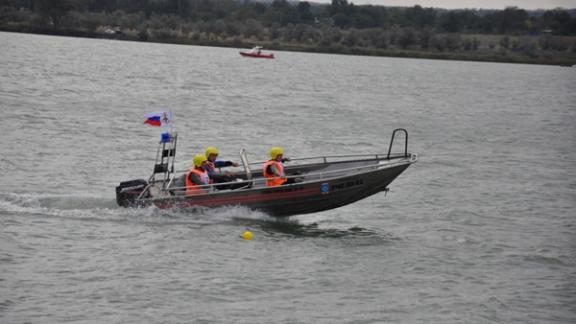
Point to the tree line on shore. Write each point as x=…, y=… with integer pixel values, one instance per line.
x=329, y=27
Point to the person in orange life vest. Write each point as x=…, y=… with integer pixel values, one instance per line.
x=274, y=169
x=213, y=163
x=197, y=176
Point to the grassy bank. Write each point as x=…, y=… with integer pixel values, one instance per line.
x=486, y=54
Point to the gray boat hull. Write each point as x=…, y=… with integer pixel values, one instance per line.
x=292, y=199
x=329, y=182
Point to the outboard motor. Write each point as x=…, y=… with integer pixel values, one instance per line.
x=128, y=191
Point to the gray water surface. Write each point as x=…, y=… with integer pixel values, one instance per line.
x=480, y=230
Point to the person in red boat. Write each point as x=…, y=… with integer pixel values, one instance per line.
x=274, y=168
x=198, y=176
x=214, y=163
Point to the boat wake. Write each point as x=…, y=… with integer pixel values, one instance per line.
x=104, y=209
x=56, y=205
x=23, y=202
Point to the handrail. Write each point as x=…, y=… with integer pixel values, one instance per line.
x=324, y=159
x=405, y=142
x=245, y=163
x=322, y=175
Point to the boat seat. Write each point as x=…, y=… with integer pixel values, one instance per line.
x=178, y=186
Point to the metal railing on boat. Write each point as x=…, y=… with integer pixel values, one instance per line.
x=325, y=158
x=329, y=159
x=311, y=177
x=250, y=182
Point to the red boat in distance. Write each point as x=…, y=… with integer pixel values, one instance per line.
x=257, y=53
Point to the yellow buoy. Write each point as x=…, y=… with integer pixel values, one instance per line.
x=247, y=235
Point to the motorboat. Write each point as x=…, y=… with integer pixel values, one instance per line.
x=320, y=183
x=257, y=53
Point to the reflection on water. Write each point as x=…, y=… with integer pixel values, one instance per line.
x=294, y=228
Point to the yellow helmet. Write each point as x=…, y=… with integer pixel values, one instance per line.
x=199, y=159
x=212, y=150
x=275, y=151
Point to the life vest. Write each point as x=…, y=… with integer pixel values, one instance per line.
x=191, y=187
x=274, y=180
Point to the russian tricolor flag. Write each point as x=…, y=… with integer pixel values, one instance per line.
x=153, y=121
x=158, y=119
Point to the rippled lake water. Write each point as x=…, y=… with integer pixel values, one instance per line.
x=480, y=230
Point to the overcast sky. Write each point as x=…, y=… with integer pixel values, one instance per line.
x=456, y=4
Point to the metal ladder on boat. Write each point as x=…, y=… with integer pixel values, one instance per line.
x=165, y=158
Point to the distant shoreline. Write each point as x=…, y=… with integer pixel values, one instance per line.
x=565, y=60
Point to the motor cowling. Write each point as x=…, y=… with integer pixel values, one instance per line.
x=128, y=191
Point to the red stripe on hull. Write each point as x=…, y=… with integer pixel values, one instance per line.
x=212, y=202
